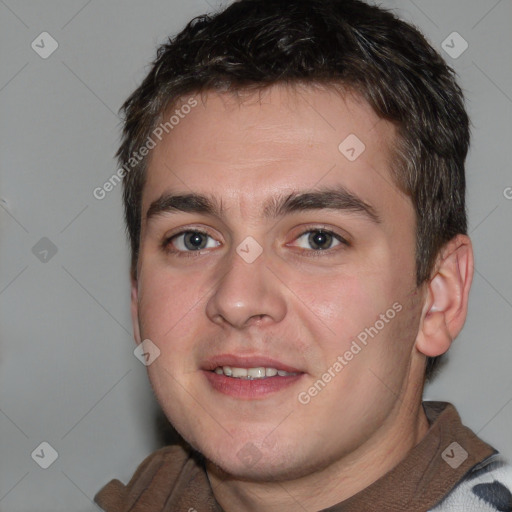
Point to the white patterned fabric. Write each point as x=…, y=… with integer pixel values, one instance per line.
x=487, y=487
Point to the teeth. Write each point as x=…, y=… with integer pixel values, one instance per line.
x=238, y=372
x=256, y=373
x=250, y=373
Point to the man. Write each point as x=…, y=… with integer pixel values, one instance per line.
x=294, y=195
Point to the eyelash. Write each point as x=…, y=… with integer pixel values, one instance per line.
x=167, y=246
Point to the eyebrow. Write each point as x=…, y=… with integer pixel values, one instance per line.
x=337, y=198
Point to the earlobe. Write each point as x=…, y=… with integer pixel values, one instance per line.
x=446, y=300
x=134, y=307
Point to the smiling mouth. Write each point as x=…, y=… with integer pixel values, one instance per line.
x=259, y=372
x=251, y=382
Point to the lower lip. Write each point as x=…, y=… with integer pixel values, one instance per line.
x=247, y=389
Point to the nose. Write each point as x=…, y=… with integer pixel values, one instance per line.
x=246, y=294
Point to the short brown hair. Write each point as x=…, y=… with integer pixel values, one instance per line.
x=257, y=43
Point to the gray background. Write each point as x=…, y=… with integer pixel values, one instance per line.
x=68, y=374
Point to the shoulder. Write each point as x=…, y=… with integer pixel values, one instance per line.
x=169, y=457
x=159, y=470
x=487, y=487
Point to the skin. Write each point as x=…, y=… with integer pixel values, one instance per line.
x=288, y=305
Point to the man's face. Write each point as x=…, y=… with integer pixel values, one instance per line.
x=277, y=280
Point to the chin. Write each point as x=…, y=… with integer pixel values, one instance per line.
x=246, y=461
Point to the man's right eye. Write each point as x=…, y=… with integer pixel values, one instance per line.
x=190, y=241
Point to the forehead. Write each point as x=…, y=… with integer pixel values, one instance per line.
x=279, y=140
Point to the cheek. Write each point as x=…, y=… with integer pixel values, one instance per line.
x=166, y=303
x=346, y=303
x=366, y=306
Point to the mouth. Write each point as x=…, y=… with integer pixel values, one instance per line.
x=259, y=372
x=250, y=378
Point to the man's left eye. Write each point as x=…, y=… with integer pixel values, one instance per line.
x=320, y=240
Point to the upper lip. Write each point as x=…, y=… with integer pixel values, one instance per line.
x=254, y=361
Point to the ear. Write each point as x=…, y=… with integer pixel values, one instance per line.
x=134, y=307
x=446, y=298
